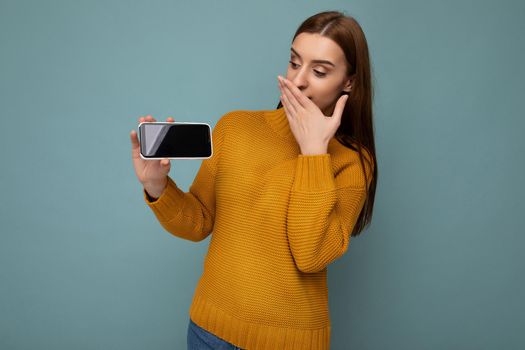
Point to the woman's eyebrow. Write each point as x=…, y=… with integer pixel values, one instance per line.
x=315, y=61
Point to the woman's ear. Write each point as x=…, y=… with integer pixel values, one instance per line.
x=348, y=85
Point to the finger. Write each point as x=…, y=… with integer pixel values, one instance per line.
x=289, y=109
x=292, y=100
x=134, y=141
x=279, y=81
x=339, y=107
x=170, y=119
x=287, y=98
x=286, y=111
x=298, y=97
x=289, y=116
x=282, y=87
x=292, y=104
x=133, y=136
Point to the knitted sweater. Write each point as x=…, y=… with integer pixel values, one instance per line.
x=278, y=219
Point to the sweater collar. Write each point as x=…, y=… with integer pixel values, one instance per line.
x=278, y=121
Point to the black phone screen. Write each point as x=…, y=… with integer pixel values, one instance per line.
x=175, y=140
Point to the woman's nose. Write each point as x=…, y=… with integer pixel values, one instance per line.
x=300, y=82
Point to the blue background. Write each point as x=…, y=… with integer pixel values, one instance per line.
x=85, y=265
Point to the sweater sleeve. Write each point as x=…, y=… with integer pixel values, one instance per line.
x=323, y=210
x=191, y=215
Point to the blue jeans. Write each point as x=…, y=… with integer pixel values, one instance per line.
x=201, y=339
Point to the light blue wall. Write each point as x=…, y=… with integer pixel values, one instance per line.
x=85, y=265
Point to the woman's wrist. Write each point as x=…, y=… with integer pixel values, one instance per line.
x=154, y=190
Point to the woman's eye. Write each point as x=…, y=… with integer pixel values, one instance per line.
x=319, y=74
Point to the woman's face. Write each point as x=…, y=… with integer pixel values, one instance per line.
x=322, y=82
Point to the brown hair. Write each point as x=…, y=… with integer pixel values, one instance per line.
x=356, y=128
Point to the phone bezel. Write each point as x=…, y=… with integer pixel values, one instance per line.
x=159, y=158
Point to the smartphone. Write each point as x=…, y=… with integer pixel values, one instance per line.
x=175, y=140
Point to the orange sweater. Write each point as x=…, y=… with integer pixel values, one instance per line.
x=278, y=218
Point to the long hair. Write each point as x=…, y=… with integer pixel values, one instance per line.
x=356, y=129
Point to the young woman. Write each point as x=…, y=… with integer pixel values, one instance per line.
x=283, y=193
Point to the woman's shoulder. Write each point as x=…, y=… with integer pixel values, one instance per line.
x=349, y=154
x=240, y=116
x=347, y=160
x=243, y=112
